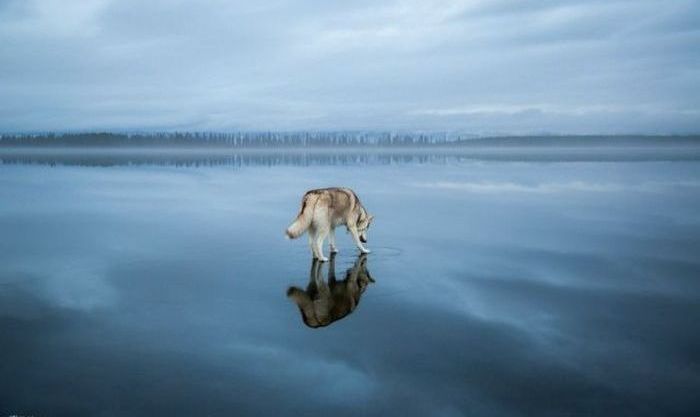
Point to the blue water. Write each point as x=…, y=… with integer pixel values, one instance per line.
x=501, y=288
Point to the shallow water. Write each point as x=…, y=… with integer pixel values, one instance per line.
x=502, y=287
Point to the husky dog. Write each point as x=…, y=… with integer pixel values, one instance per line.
x=323, y=302
x=324, y=209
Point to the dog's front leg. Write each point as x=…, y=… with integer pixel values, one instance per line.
x=356, y=238
x=331, y=238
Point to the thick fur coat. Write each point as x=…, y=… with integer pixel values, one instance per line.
x=324, y=209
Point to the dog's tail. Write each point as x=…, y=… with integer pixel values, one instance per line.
x=303, y=220
x=306, y=306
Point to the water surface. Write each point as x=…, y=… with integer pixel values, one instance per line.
x=501, y=286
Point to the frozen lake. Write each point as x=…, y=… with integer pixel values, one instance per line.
x=557, y=284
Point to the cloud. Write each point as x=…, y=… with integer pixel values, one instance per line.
x=589, y=67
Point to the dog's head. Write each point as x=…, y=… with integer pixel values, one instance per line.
x=363, y=225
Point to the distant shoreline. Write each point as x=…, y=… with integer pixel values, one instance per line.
x=327, y=148
x=445, y=149
x=335, y=141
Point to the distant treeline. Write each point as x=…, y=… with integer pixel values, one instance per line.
x=326, y=139
x=229, y=140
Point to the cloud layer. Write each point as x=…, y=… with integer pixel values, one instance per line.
x=478, y=66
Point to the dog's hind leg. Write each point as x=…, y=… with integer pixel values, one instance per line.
x=319, y=238
x=312, y=243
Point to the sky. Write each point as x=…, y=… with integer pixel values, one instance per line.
x=480, y=66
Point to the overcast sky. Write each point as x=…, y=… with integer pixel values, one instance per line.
x=485, y=66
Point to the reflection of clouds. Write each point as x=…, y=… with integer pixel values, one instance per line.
x=332, y=377
x=509, y=312
x=563, y=271
x=596, y=336
x=487, y=187
x=83, y=287
x=547, y=292
x=80, y=285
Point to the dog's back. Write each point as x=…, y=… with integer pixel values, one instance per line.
x=322, y=205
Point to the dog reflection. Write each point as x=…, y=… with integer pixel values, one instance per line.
x=325, y=302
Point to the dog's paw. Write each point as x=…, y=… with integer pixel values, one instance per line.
x=323, y=259
x=334, y=250
x=365, y=251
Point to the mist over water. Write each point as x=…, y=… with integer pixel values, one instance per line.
x=555, y=282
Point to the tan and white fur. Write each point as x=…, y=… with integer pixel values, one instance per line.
x=322, y=210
